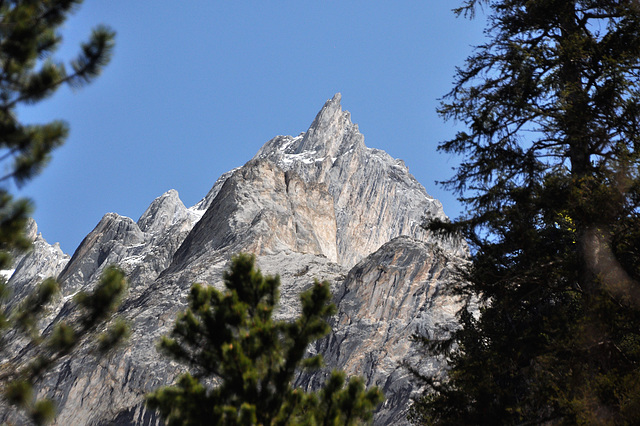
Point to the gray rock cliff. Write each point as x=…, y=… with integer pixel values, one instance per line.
x=44, y=260
x=319, y=205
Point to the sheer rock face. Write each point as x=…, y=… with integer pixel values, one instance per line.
x=317, y=206
x=387, y=297
x=375, y=197
x=262, y=209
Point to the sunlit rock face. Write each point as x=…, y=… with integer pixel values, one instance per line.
x=320, y=205
x=375, y=197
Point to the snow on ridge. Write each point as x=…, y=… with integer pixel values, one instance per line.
x=292, y=140
x=196, y=211
x=306, y=157
x=195, y=214
x=7, y=273
x=286, y=145
x=133, y=260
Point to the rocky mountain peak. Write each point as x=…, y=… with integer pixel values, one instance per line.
x=320, y=205
x=375, y=197
x=31, y=230
x=162, y=213
x=331, y=132
x=330, y=135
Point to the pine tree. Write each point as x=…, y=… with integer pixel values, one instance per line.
x=550, y=179
x=29, y=73
x=243, y=362
x=20, y=372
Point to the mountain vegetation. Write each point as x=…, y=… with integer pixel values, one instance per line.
x=549, y=175
x=29, y=37
x=231, y=338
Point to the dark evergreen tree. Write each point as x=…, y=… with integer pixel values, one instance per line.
x=19, y=372
x=29, y=73
x=549, y=175
x=243, y=362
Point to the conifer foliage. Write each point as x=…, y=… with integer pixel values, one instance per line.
x=19, y=372
x=243, y=362
x=550, y=177
x=29, y=73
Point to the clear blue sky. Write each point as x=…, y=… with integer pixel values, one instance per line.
x=195, y=88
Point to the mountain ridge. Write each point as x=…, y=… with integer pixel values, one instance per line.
x=319, y=205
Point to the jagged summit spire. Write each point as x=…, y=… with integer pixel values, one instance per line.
x=326, y=134
x=331, y=133
x=330, y=114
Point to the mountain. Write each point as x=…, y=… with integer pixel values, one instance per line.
x=319, y=205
